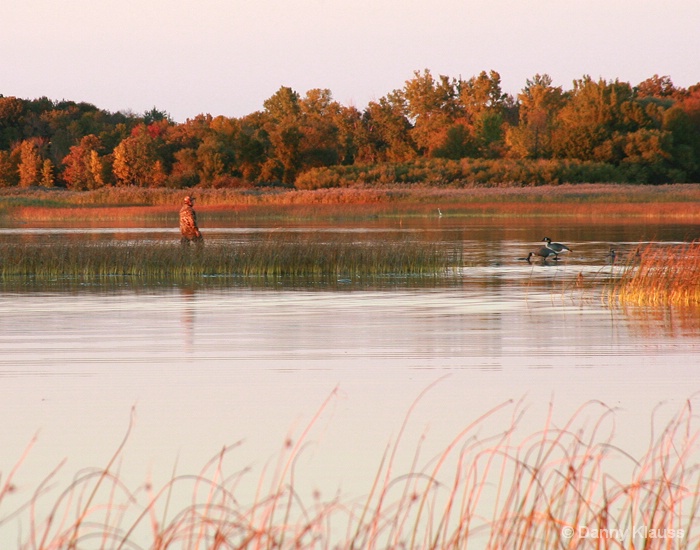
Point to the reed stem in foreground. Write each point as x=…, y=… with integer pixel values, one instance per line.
x=493, y=486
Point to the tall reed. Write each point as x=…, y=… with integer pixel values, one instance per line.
x=172, y=263
x=660, y=275
x=562, y=486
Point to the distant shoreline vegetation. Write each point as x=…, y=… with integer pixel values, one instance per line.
x=433, y=131
x=659, y=203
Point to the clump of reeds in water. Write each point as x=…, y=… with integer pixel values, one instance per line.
x=660, y=275
x=173, y=263
x=565, y=486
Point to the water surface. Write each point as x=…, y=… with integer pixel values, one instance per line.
x=206, y=367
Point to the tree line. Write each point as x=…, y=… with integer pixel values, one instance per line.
x=440, y=129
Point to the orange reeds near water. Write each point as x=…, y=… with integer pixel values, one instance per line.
x=592, y=201
x=660, y=275
x=564, y=485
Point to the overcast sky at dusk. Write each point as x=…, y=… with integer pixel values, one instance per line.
x=225, y=57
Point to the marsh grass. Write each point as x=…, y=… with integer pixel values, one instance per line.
x=489, y=487
x=660, y=275
x=172, y=263
x=679, y=201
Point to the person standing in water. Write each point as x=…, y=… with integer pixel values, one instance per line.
x=188, y=223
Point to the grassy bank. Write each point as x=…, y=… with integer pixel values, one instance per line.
x=174, y=264
x=566, y=485
x=668, y=275
x=672, y=202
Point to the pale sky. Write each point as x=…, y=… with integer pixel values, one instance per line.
x=225, y=57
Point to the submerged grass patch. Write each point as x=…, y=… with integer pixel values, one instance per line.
x=564, y=485
x=172, y=263
x=655, y=275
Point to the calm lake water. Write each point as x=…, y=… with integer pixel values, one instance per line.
x=214, y=365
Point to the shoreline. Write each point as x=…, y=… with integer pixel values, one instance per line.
x=673, y=202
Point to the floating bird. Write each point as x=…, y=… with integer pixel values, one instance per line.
x=557, y=248
x=543, y=253
x=616, y=255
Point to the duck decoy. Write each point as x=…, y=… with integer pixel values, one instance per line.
x=557, y=248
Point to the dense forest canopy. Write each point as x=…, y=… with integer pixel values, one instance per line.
x=436, y=130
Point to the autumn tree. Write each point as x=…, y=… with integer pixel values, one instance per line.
x=591, y=116
x=432, y=107
x=348, y=121
x=137, y=160
x=48, y=175
x=30, y=164
x=252, y=146
x=84, y=169
x=539, y=103
x=385, y=134
x=485, y=107
x=482, y=93
x=320, y=145
x=656, y=87
x=283, y=126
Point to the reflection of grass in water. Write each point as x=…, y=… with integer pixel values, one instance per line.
x=668, y=275
x=491, y=489
x=159, y=262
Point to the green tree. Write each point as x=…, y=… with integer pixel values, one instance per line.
x=8, y=170
x=11, y=113
x=682, y=120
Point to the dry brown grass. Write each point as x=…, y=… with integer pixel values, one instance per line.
x=660, y=275
x=592, y=201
